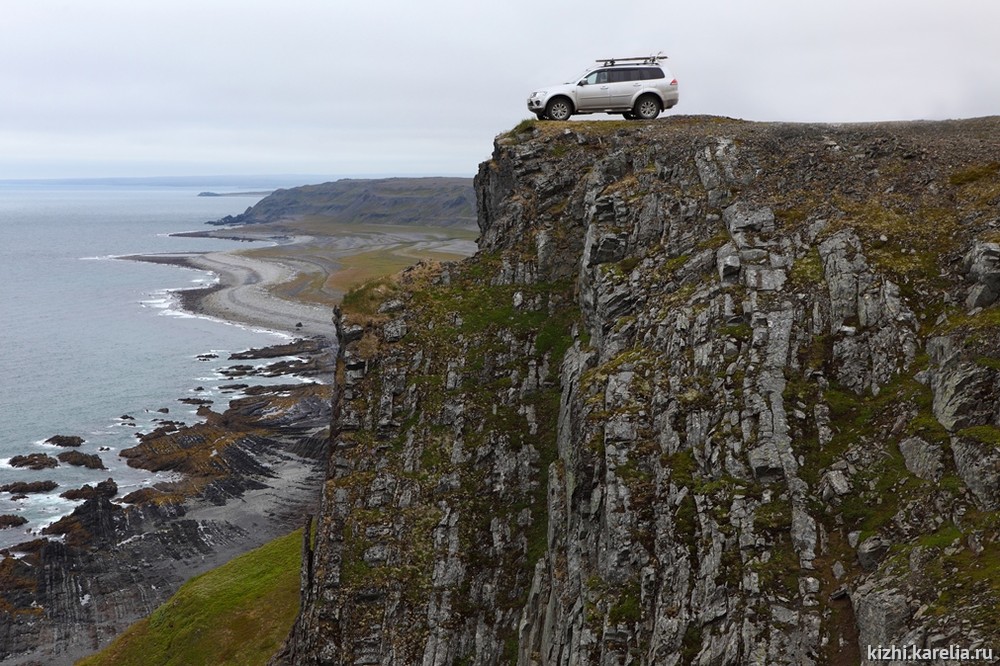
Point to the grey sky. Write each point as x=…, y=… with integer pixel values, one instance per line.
x=119, y=88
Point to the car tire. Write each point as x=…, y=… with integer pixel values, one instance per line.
x=559, y=109
x=646, y=107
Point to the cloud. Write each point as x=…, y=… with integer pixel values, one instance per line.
x=254, y=86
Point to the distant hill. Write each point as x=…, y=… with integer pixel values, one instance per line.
x=448, y=202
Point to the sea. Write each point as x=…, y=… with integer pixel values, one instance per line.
x=87, y=338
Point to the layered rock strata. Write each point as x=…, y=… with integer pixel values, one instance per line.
x=712, y=392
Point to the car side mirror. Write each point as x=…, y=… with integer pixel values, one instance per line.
x=582, y=82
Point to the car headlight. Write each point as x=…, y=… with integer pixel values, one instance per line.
x=540, y=93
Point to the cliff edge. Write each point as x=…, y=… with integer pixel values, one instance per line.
x=711, y=392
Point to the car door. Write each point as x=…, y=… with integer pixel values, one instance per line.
x=592, y=93
x=623, y=84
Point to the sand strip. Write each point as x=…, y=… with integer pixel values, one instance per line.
x=242, y=293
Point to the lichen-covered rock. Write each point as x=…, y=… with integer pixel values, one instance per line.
x=922, y=458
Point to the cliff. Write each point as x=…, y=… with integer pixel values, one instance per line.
x=444, y=202
x=711, y=392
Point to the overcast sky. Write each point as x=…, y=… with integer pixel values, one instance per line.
x=394, y=87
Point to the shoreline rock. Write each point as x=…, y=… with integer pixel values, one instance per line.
x=34, y=461
x=249, y=473
x=78, y=459
x=8, y=521
x=26, y=487
x=65, y=440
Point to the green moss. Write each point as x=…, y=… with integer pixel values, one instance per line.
x=807, y=270
x=673, y=264
x=628, y=264
x=775, y=516
x=742, y=332
x=986, y=434
x=779, y=574
x=943, y=538
x=691, y=643
x=974, y=173
x=929, y=428
x=236, y=614
x=990, y=362
x=626, y=609
x=555, y=337
x=715, y=242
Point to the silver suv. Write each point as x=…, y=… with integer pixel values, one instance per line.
x=634, y=87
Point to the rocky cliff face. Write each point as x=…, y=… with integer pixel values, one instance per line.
x=711, y=392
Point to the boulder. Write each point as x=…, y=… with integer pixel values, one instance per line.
x=35, y=461
x=65, y=440
x=88, y=460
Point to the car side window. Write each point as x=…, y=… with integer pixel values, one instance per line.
x=652, y=73
x=625, y=74
x=600, y=76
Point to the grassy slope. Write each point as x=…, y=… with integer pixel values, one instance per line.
x=236, y=614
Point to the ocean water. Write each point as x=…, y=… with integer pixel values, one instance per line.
x=86, y=338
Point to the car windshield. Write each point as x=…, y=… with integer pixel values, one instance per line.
x=582, y=76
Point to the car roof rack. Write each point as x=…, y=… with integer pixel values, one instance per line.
x=642, y=60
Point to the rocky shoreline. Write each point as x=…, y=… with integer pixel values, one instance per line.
x=245, y=474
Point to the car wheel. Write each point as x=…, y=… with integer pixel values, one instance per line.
x=559, y=109
x=647, y=108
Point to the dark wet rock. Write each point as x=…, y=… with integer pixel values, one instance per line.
x=106, y=489
x=65, y=440
x=310, y=346
x=90, y=461
x=8, y=521
x=195, y=401
x=23, y=487
x=35, y=461
x=234, y=371
x=162, y=428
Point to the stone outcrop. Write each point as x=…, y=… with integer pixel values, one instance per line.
x=35, y=461
x=712, y=392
